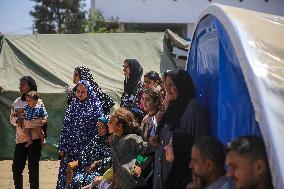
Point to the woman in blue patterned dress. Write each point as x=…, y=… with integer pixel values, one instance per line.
x=84, y=73
x=79, y=127
x=95, y=157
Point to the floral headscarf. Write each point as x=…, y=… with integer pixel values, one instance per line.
x=105, y=99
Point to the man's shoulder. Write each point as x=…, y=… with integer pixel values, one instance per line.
x=222, y=183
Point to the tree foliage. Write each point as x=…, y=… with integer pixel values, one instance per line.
x=59, y=16
x=96, y=22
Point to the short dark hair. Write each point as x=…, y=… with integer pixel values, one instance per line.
x=33, y=95
x=252, y=147
x=152, y=75
x=211, y=148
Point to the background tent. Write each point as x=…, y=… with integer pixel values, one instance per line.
x=237, y=63
x=51, y=59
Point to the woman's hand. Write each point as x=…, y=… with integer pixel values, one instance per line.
x=137, y=171
x=20, y=121
x=61, y=154
x=93, y=166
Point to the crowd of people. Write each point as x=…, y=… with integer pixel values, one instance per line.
x=158, y=138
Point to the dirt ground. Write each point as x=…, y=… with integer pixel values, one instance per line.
x=47, y=177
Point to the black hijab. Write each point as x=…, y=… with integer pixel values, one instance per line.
x=31, y=83
x=136, y=72
x=180, y=174
x=186, y=92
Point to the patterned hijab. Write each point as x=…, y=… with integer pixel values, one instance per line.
x=32, y=84
x=136, y=72
x=105, y=99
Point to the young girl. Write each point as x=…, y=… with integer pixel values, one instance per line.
x=152, y=80
x=151, y=99
x=31, y=111
x=126, y=145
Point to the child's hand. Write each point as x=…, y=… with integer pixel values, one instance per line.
x=137, y=171
x=19, y=112
x=44, y=120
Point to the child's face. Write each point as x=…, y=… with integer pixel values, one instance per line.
x=31, y=102
x=148, y=83
x=102, y=129
x=113, y=126
x=82, y=92
x=149, y=104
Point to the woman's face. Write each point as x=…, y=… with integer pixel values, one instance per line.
x=81, y=92
x=148, y=83
x=149, y=104
x=126, y=69
x=169, y=152
x=24, y=87
x=113, y=125
x=76, y=77
x=171, y=89
x=102, y=129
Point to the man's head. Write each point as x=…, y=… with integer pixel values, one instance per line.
x=247, y=163
x=207, y=158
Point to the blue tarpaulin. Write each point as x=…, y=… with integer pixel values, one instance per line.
x=220, y=85
x=236, y=61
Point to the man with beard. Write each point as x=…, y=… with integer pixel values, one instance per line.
x=207, y=164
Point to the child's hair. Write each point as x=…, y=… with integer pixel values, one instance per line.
x=152, y=75
x=138, y=114
x=33, y=95
x=156, y=96
x=127, y=121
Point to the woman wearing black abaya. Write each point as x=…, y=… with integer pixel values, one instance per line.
x=183, y=115
x=132, y=93
x=178, y=152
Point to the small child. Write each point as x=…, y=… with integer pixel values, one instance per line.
x=32, y=111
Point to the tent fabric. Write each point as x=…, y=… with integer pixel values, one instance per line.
x=237, y=63
x=51, y=59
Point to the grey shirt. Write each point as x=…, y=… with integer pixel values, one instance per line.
x=124, y=152
x=222, y=183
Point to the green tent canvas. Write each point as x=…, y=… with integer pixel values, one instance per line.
x=51, y=59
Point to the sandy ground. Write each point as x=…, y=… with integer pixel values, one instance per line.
x=47, y=177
